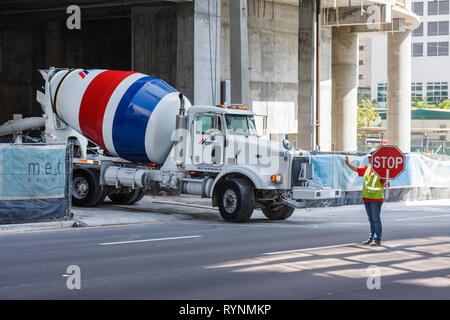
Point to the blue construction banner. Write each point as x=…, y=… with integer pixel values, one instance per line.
x=32, y=182
x=424, y=178
x=420, y=171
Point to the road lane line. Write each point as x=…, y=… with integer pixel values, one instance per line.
x=310, y=249
x=147, y=240
x=426, y=217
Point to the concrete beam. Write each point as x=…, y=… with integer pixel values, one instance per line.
x=347, y=16
x=397, y=25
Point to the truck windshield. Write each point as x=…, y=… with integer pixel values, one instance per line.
x=241, y=124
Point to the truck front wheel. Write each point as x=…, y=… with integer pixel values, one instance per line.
x=279, y=213
x=236, y=200
x=86, y=191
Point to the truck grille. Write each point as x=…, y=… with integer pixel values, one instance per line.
x=296, y=168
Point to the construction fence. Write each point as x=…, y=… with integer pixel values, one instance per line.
x=34, y=182
x=426, y=177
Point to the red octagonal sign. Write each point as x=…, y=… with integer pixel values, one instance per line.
x=388, y=159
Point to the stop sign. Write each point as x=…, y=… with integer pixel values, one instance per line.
x=388, y=158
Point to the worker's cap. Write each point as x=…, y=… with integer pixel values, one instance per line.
x=371, y=152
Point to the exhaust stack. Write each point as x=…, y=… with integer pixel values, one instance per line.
x=180, y=133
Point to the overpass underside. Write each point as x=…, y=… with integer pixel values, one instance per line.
x=295, y=61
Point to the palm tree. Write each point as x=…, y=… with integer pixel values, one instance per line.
x=366, y=111
x=422, y=104
x=444, y=104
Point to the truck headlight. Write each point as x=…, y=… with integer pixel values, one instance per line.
x=276, y=178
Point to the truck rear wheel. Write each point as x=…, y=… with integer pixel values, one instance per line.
x=127, y=196
x=103, y=195
x=279, y=213
x=236, y=200
x=140, y=196
x=86, y=190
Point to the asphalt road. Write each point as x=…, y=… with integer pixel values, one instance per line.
x=313, y=255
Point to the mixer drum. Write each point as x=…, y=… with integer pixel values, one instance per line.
x=128, y=114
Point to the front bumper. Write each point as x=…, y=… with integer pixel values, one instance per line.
x=301, y=193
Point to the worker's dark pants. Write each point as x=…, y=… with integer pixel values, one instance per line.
x=373, y=210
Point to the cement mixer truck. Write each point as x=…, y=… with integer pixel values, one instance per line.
x=132, y=132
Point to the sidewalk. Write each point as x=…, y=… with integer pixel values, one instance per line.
x=151, y=209
x=157, y=209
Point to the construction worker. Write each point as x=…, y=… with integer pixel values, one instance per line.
x=372, y=194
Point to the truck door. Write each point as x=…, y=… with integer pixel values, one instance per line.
x=208, y=142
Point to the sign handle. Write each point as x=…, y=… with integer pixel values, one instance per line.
x=387, y=184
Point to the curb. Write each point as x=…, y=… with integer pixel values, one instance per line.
x=36, y=226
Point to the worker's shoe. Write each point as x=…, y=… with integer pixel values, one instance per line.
x=375, y=243
x=367, y=242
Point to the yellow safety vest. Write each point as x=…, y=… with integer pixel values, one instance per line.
x=372, y=188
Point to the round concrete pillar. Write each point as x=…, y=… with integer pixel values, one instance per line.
x=345, y=89
x=326, y=90
x=399, y=90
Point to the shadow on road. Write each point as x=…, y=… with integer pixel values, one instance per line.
x=418, y=262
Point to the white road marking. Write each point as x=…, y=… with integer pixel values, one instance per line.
x=310, y=249
x=147, y=240
x=426, y=217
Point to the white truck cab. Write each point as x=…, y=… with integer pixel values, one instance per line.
x=240, y=170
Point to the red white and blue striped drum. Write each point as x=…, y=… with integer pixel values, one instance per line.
x=129, y=114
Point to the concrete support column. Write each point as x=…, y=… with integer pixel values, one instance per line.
x=345, y=89
x=399, y=90
x=207, y=31
x=240, y=81
x=325, y=89
x=306, y=75
x=198, y=51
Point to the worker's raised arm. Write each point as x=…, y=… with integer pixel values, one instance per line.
x=350, y=165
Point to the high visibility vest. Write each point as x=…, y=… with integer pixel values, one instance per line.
x=372, y=188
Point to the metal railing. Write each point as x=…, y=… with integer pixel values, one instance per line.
x=436, y=146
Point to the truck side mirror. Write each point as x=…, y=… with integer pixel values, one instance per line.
x=286, y=143
x=214, y=133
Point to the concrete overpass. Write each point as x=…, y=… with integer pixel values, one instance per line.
x=332, y=124
x=272, y=51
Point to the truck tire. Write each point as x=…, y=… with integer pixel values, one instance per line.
x=86, y=190
x=280, y=213
x=236, y=200
x=125, y=197
x=103, y=195
x=140, y=196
